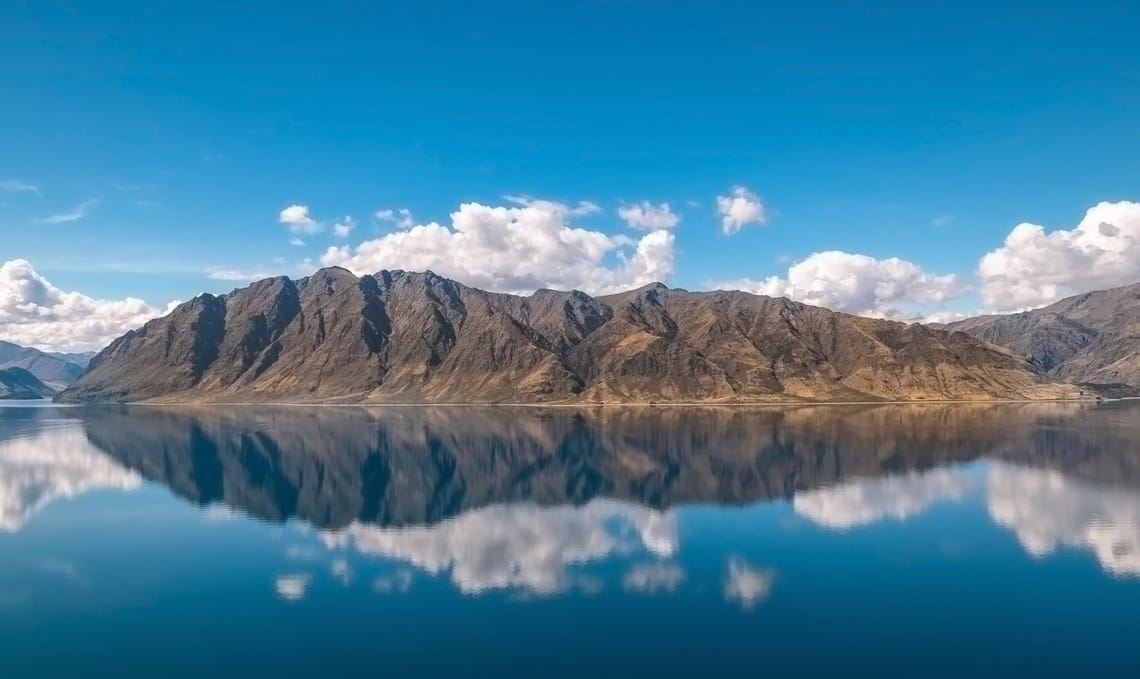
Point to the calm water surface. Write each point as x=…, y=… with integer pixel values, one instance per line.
x=892, y=540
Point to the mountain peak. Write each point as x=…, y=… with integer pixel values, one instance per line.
x=400, y=336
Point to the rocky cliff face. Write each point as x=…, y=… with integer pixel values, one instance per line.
x=1091, y=338
x=418, y=337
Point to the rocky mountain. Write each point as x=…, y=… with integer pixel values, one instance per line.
x=55, y=370
x=1092, y=338
x=417, y=337
x=17, y=383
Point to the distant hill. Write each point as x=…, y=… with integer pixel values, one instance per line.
x=418, y=337
x=80, y=359
x=55, y=370
x=1092, y=338
x=17, y=383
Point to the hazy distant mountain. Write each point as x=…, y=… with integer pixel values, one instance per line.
x=17, y=383
x=80, y=359
x=55, y=370
x=418, y=337
x=1090, y=338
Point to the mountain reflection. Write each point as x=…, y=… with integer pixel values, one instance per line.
x=500, y=499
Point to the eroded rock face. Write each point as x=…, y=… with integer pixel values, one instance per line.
x=403, y=337
x=1091, y=338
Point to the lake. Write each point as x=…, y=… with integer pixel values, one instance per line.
x=924, y=540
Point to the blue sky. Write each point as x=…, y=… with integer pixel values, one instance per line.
x=144, y=149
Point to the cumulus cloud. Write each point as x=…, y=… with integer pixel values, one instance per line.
x=516, y=249
x=73, y=215
x=402, y=217
x=740, y=208
x=1034, y=267
x=864, y=501
x=520, y=547
x=52, y=464
x=746, y=584
x=33, y=312
x=649, y=217
x=1048, y=510
x=857, y=284
x=298, y=219
x=295, y=241
x=653, y=577
x=344, y=227
x=18, y=186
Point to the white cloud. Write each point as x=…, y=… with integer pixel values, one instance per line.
x=73, y=215
x=295, y=241
x=52, y=464
x=298, y=219
x=857, y=284
x=649, y=217
x=344, y=227
x=1048, y=510
x=516, y=249
x=653, y=577
x=35, y=313
x=17, y=186
x=746, y=584
x=865, y=501
x=582, y=208
x=1034, y=267
x=739, y=209
x=519, y=546
x=292, y=587
x=239, y=275
x=402, y=217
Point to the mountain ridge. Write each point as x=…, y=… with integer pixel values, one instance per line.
x=20, y=384
x=57, y=370
x=407, y=337
x=1091, y=338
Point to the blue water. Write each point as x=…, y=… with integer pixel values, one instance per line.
x=932, y=540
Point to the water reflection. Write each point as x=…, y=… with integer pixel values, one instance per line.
x=1047, y=510
x=43, y=465
x=518, y=546
x=528, y=500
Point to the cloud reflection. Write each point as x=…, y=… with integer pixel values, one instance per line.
x=51, y=464
x=1048, y=510
x=746, y=584
x=518, y=547
x=865, y=501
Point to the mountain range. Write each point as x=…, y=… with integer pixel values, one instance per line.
x=17, y=383
x=1090, y=338
x=55, y=370
x=408, y=337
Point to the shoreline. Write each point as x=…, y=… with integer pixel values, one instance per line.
x=583, y=406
